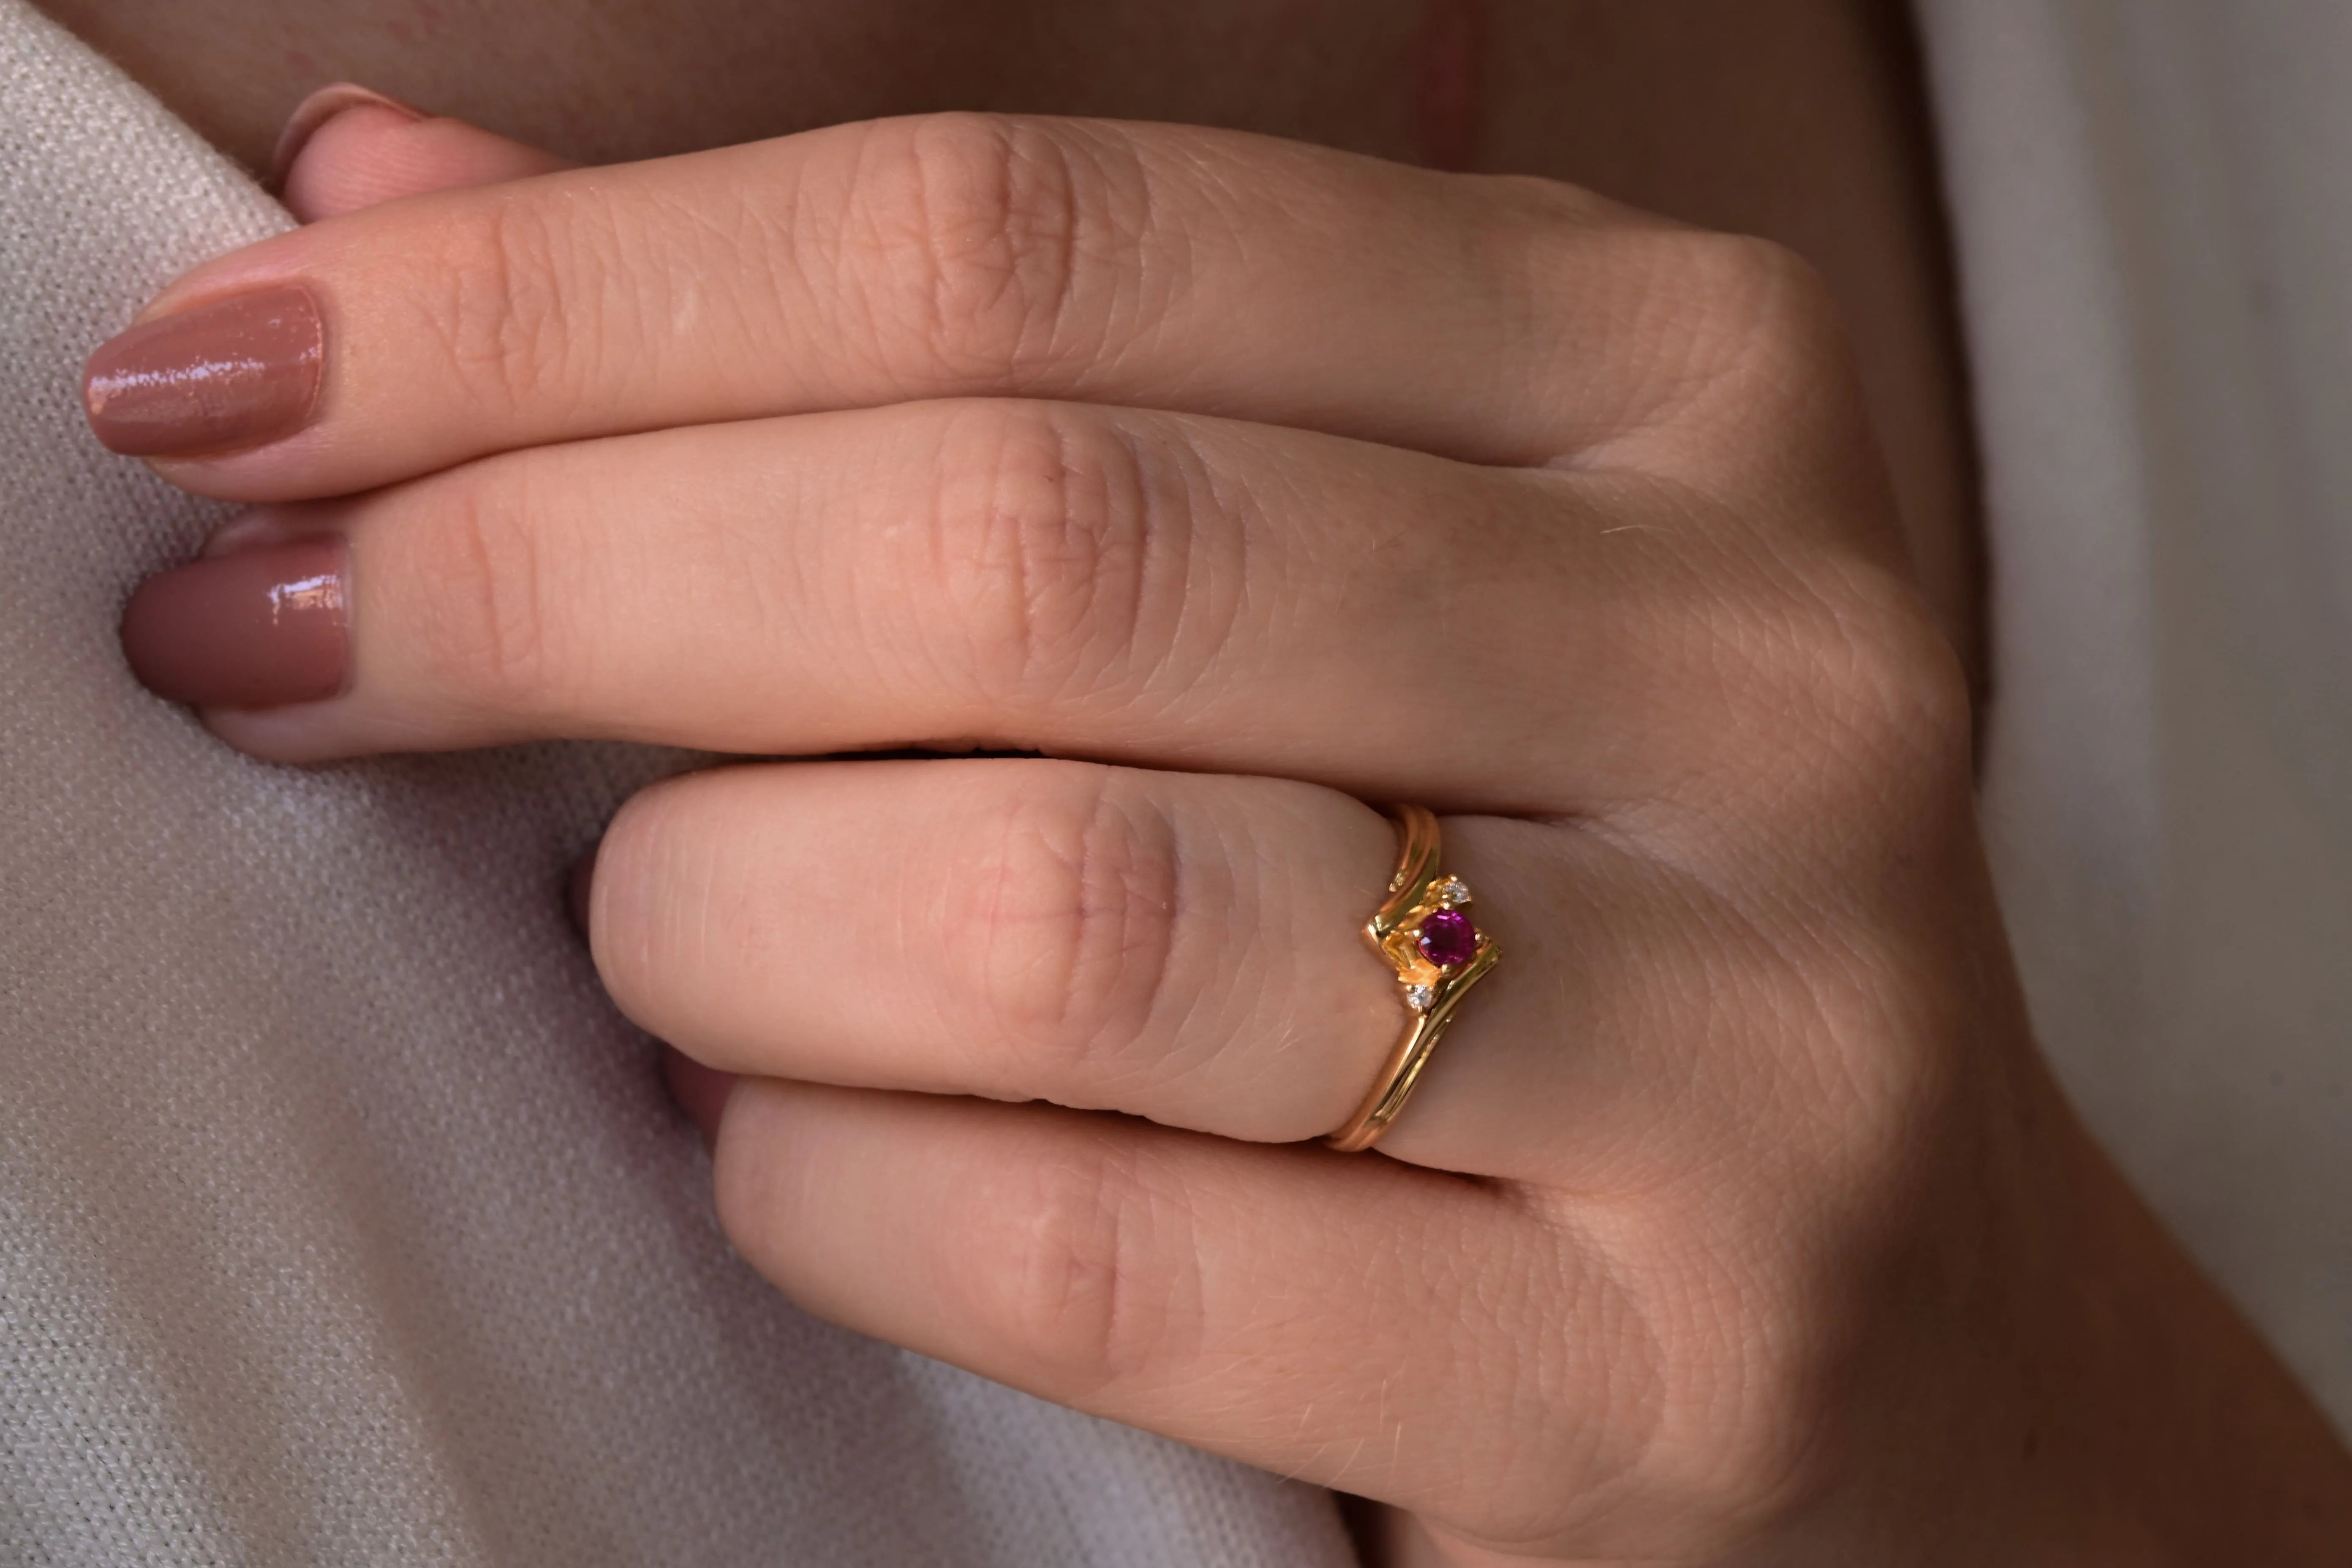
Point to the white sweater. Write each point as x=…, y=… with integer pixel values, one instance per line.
x=341, y=1221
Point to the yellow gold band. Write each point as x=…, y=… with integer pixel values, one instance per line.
x=1438, y=954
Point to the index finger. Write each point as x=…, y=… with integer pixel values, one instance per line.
x=954, y=255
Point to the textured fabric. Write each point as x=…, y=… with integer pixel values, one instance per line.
x=2154, y=206
x=341, y=1221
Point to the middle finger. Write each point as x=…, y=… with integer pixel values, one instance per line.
x=1164, y=589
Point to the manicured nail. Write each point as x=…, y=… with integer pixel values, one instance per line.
x=239, y=371
x=323, y=106
x=255, y=629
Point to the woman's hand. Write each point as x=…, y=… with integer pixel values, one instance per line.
x=1735, y=1221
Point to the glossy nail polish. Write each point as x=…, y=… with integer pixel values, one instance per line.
x=252, y=629
x=217, y=377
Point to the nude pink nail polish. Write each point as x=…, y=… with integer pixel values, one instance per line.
x=216, y=377
x=254, y=629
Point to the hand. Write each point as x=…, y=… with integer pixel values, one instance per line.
x=1736, y=1221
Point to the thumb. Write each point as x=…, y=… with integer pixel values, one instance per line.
x=346, y=147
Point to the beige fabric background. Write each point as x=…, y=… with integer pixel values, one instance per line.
x=339, y=1222
x=341, y=1219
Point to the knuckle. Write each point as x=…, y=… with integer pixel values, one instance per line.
x=477, y=631
x=1592, y=1409
x=1071, y=933
x=1765, y=307
x=1002, y=240
x=1716, y=1375
x=500, y=317
x=1538, y=206
x=1081, y=1271
x=1741, y=331
x=1887, y=683
x=1840, y=702
x=1065, y=552
x=1747, y=1422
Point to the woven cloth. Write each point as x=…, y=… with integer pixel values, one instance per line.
x=342, y=1220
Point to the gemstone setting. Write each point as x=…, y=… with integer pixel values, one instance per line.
x=1448, y=939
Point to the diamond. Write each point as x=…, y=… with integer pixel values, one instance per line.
x=1448, y=939
x=1452, y=891
x=1419, y=998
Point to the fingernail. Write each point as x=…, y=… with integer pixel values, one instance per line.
x=321, y=107
x=239, y=371
x=577, y=888
x=255, y=629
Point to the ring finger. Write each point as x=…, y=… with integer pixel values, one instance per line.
x=1180, y=947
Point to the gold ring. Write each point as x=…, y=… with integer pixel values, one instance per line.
x=1438, y=954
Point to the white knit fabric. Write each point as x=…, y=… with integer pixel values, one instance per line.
x=341, y=1221
x=2154, y=206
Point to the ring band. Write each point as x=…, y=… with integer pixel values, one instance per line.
x=1438, y=954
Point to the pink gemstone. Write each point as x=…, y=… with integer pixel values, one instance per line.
x=1447, y=938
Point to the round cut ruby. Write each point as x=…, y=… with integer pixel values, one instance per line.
x=1447, y=938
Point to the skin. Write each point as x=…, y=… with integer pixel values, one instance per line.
x=1794, y=120
x=1739, y=1223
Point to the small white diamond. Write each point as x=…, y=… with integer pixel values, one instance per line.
x=1452, y=892
x=1419, y=998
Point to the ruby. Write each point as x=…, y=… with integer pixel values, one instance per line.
x=1447, y=938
